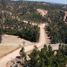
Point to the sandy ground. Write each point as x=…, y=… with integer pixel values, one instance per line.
x=42, y=12
x=9, y=40
x=65, y=16
x=4, y=50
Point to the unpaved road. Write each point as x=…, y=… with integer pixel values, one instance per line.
x=5, y=59
x=43, y=40
x=65, y=15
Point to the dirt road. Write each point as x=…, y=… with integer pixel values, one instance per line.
x=43, y=40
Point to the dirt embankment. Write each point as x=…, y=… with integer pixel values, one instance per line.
x=65, y=16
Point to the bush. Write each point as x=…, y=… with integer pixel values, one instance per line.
x=46, y=57
x=21, y=29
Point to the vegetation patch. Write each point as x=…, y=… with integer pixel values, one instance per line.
x=57, y=28
x=21, y=29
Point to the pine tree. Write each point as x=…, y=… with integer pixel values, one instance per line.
x=34, y=61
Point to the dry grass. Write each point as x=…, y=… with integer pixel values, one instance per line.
x=4, y=50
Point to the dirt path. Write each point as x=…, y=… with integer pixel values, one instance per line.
x=4, y=60
x=43, y=40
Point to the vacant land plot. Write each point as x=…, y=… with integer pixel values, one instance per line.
x=4, y=50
